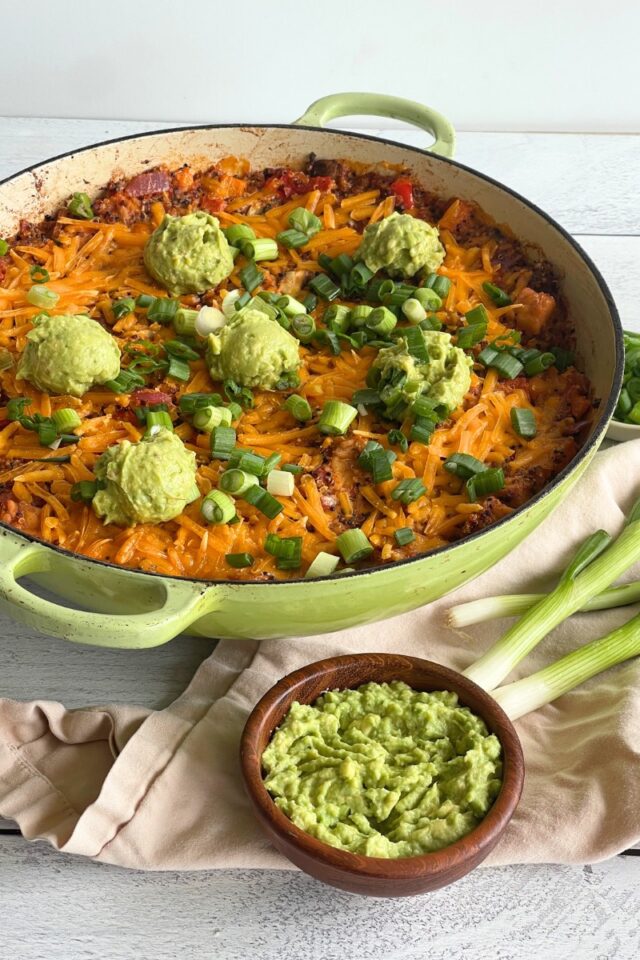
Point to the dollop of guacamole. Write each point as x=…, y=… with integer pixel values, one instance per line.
x=68, y=354
x=145, y=482
x=253, y=350
x=384, y=770
x=188, y=254
x=401, y=245
x=444, y=378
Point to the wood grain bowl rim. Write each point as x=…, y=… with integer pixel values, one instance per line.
x=305, y=685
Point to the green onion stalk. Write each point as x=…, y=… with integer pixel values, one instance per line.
x=593, y=569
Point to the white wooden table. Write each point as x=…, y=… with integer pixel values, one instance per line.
x=61, y=908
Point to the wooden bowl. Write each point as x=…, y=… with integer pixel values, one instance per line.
x=377, y=876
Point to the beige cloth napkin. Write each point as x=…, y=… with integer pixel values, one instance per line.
x=162, y=790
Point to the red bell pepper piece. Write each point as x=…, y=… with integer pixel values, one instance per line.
x=403, y=190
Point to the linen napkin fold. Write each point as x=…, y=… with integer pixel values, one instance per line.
x=161, y=790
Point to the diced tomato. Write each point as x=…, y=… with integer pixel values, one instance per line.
x=324, y=184
x=147, y=398
x=213, y=204
x=403, y=190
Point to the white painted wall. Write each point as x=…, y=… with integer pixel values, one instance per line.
x=501, y=65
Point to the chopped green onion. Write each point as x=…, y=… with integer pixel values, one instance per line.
x=122, y=308
x=298, y=407
x=66, y=419
x=431, y=323
x=303, y=327
x=397, y=438
x=40, y=296
x=538, y=364
x=439, y=284
x=237, y=233
x=381, y=320
x=239, y=560
x=185, y=322
x=310, y=302
x=427, y=298
x=80, y=206
x=249, y=462
x=4, y=248
x=290, y=306
x=507, y=365
x=323, y=565
x=263, y=501
x=229, y=303
x=499, y=297
x=158, y=420
x=6, y=359
x=292, y=239
x=178, y=368
x=286, y=550
x=569, y=596
x=260, y=248
x=416, y=344
x=125, y=382
x=359, y=277
x=379, y=466
x=469, y=336
x=487, y=356
x=360, y=314
x=305, y=221
x=523, y=422
x=84, y=491
x=353, y=545
x=337, y=318
x=144, y=301
x=463, y=465
x=403, y=536
x=280, y=483
x=217, y=507
x=250, y=277
x=190, y=402
x=292, y=468
x=482, y=484
x=15, y=407
x=162, y=310
x=336, y=418
x=38, y=274
x=413, y=310
x=288, y=380
x=243, y=300
x=176, y=348
x=271, y=463
x=324, y=287
x=366, y=397
x=233, y=391
x=407, y=491
x=237, y=481
x=206, y=418
x=422, y=432
x=477, y=315
x=223, y=441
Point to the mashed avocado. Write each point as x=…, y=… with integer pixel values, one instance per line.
x=384, y=770
x=444, y=378
x=188, y=254
x=401, y=245
x=69, y=355
x=145, y=482
x=253, y=350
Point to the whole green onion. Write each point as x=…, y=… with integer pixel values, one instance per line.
x=581, y=581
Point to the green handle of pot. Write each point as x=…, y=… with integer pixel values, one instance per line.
x=182, y=604
x=382, y=105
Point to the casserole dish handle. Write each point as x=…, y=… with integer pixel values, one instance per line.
x=183, y=603
x=382, y=105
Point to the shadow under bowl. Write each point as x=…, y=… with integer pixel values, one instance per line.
x=377, y=876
